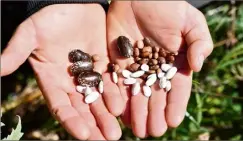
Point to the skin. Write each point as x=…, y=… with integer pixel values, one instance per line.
x=45, y=40
x=175, y=26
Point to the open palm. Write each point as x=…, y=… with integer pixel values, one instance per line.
x=45, y=39
x=175, y=26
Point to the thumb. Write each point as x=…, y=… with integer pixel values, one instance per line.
x=198, y=38
x=22, y=43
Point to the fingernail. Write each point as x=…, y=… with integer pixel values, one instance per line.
x=200, y=61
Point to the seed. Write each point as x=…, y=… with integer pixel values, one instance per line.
x=125, y=47
x=91, y=97
x=81, y=66
x=147, y=49
x=165, y=67
x=126, y=73
x=140, y=44
x=147, y=41
x=136, y=52
x=154, y=61
x=150, y=56
x=137, y=59
x=129, y=81
x=96, y=58
x=161, y=60
x=144, y=61
x=151, y=80
x=134, y=67
x=78, y=55
x=151, y=71
x=170, y=58
x=147, y=91
x=111, y=67
x=80, y=89
x=145, y=54
x=162, y=82
x=156, y=55
x=155, y=49
x=137, y=74
x=144, y=67
x=135, y=88
x=116, y=68
x=87, y=91
x=114, y=77
x=168, y=86
x=89, y=78
x=154, y=67
x=101, y=87
x=162, y=52
x=171, y=72
x=160, y=73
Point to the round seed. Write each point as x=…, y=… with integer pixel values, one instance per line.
x=137, y=59
x=162, y=52
x=144, y=67
x=146, y=41
x=170, y=58
x=156, y=49
x=156, y=55
x=134, y=67
x=154, y=67
x=147, y=49
x=96, y=58
x=154, y=61
x=145, y=54
x=140, y=44
x=143, y=61
x=161, y=60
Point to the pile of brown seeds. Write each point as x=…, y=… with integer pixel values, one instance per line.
x=82, y=70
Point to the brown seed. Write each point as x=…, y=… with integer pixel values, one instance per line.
x=154, y=67
x=154, y=61
x=81, y=66
x=158, y=71
x=143, y=61
x=116, y=67
x=147, y=49
x=111, y=67
x=96, y=58
x=150, y=56
x=140, y=44
x=150, y=62
x=155, y=49
x=170, y=58
x=162, y=53
x=145, y=54
x=150, y=72
x=136, y=52
x=137, y=59
x=134, y=67
x=161, y=60
x=89, y=78
x=147, y=41
x=124, y=46
x=155, y=55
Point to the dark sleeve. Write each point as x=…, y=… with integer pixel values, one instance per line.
x=35, y=5
x=199, y=3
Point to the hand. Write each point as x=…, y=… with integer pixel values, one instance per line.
x=175, y=26
x=45, y=39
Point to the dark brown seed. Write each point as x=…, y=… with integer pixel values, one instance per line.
x=78, y=55
x=134, y=67
x=144, y=61
x=111, y=67
x=125, y=47
x=147, y=41
x=155, y=49
x=81, y=66
x=137, y=59
x=155, y=55
x=161, y=60
x=170, y=58
x=154, y=67
x=162, y=53
x=150, y=62
x=89, y=78
x=147, y=49
x=136, y=52
x=150, y=72
x=96, y=58
x=154, y=61
x=150, y=56
x=145, y=54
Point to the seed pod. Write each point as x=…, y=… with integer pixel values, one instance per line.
x=162, y=52
x=143, y=61
x=96, y=58
x=140, y=44
x=89, y=78
x=162, y=60
x=147, y=41
x=134, y=67
x=170, y=59
x=78, y=55
x=156, y=49
x=154, y=67
x=81, y=66
x=125, y=47
x=147, y=49
x=156, y=55
x=136, y=52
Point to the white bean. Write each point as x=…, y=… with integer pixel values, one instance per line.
x=114, y=77
x=137, y=74
x=135, y=88
x=166, y=67
x=129, y=81
x=144, y=67
x=151, y=80
x=162, y=82
x=101, y=87
x=171, y=72
x=147, y=91
x=168, y=86
x=80, y=89
x=126, y=73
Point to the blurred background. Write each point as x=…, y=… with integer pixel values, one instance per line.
x=215, y=109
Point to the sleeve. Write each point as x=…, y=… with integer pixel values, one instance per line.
x=35, y=5
x=199, y=3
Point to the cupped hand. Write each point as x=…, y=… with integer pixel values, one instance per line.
x=175, y=26
x=45, y=39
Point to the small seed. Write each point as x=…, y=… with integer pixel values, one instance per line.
x=150, y=56
x=87, y=91
x=137, y=74
x=154, y=67
x=162, y=52
x=111, y=67
x=136, y=52
x=134, y=67
x=145, y=54
x=116, y=68
x=151, y=71
x=165, y=67
x=160, y=73
x=144, y=61
x=126, y=73
x=155, y=49
x=101, y=87
x=80, y=89
x=129, y=81
x=161, y=60
x=171, y=72
x=170, y=58
x=114, y=77
x=140, y=44
x=151, y=80
x=151, y=75
x=156, y=55
x=154, y=61
x=168, y=86
x=144, y=67
x=162, y=82
x=147, y=91
x=137, y=59
x=135, y=88
x=96, y=58
x=91, y=97
x=147, y=49
x=146, y=41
